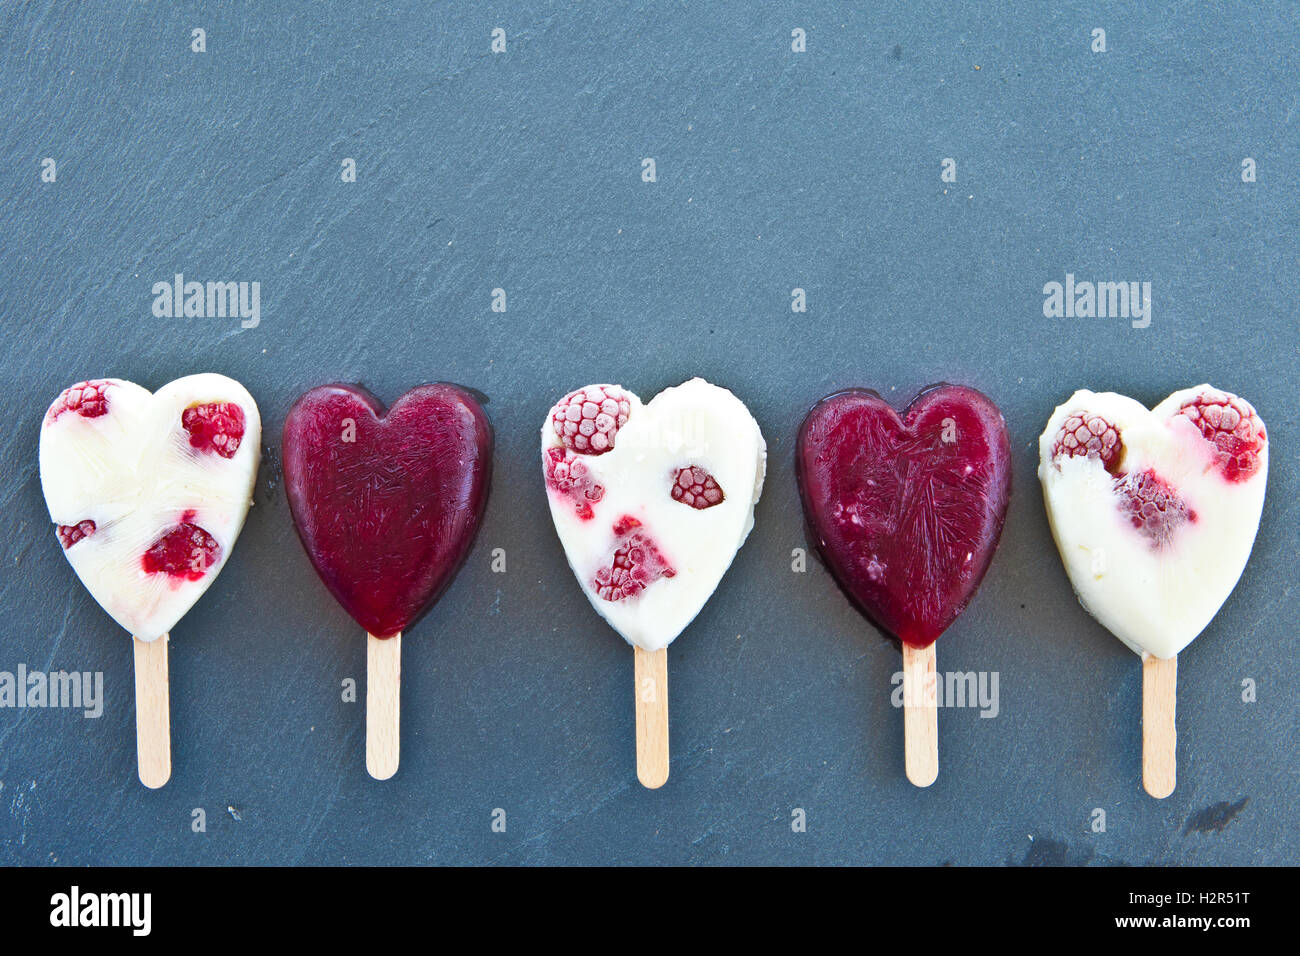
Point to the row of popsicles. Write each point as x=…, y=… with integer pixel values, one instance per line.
x=1154, y=512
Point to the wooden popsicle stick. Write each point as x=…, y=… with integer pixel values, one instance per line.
x=1159, y=736
x=920, y=716
x=383, y=704
x=153, y=733
x=651, y=677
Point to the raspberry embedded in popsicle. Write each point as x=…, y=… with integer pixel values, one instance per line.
x=1231, y=425
x=695, y=487
x=1152, y=506
x=185, y=551
x=216, y=427
x=1087, y=435
x=635, y=565
x=70, y=534
x=569, y=476
x=88, y=399
x=587, y=420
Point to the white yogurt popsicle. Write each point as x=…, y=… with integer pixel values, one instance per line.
x=148, y=492
x=652, y=502
x=1154, y=511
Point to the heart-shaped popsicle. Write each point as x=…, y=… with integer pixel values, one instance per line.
x=651, y=503
x=1154, y=513
x=907, y=512
x=148, y=493
x=387, y=504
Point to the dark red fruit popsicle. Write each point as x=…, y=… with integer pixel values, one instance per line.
x=387, y=503
x=906, y=511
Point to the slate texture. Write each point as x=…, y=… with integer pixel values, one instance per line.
x=523, y=171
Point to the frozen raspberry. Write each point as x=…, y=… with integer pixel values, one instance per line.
x=587, y=420
x=186, y=551
x=635, y=565
x=1092, y=436
x=571, y=478
x=87, y=399
x=695, y=487
x=70, y=534
x=217, y=426
x=1153, y=505
x=1231, y=425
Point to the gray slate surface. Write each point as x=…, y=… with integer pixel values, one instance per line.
x=522, y=171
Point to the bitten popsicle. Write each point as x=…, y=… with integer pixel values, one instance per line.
x=148, y=493
x=907, y=512
x=651, y=503
x=1155, y=514
x=387, y=504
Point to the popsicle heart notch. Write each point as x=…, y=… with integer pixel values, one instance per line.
x=1155, y=524
x=906, y=511
x=148, y=492
x=652, y=501
x=387, y=503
